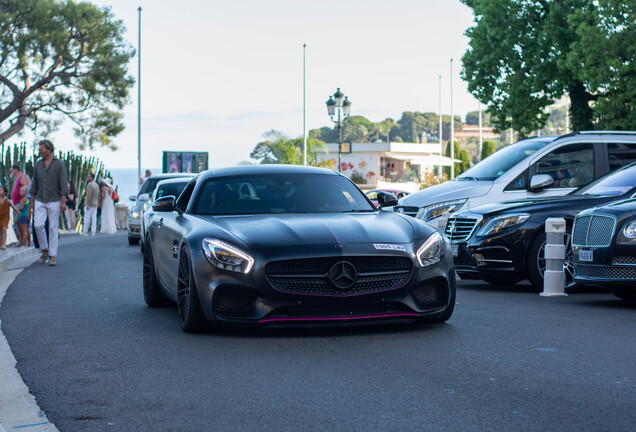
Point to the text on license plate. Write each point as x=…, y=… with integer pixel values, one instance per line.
x=455, y=250
x=586, y=255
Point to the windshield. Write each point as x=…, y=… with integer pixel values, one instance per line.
x=502, y=160
x=280, y=193
x=173, y=189
x=612, y=184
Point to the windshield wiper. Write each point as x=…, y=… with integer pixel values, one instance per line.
x=468, y=178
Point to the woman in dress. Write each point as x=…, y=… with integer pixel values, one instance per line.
x=108, y=209
x=71, y=202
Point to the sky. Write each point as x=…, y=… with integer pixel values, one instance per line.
x=216, y=75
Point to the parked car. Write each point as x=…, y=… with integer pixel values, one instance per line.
x=164, y=188
x=604, y=247
x=504, y=242
x=532, y=168
x=373, y=194
x=142, y=197
x=300, y=245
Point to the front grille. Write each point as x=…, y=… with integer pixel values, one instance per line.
x=460, y=228
x=605, y=272
x=593, y=230
x=407, y=210
x=431, y=294
x=624, y=260
x=311, y=276
x=233, y=301
x=335, y=311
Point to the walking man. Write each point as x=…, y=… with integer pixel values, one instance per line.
x=48, y=192
x=92, y=201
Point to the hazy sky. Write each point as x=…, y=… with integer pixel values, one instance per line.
x=216, y=75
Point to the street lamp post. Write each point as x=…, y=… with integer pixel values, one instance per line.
x=339, y=105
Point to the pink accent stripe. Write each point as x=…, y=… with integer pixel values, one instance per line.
x=349, y=318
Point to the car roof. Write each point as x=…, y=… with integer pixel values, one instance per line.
x=183, y=179
x=264, y=170
x=165, y=176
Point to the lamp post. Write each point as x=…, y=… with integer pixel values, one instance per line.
x=339, y=104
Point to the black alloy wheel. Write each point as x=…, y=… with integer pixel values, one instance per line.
x=152, y=292
x=132, y=241
x=537, y=263
x=190, y=314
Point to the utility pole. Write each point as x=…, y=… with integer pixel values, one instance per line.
x=139, y=99
x=304, y=125
x=452, y=126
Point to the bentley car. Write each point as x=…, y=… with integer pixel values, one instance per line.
x=288, y=245
x=604, y=247
x=504, y=243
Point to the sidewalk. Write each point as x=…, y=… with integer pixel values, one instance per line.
x=18, y=408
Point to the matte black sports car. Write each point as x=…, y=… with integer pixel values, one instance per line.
x=504, y=243
x=604, y=248
x=276, y=244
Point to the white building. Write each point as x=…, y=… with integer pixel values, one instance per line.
x=389, y=165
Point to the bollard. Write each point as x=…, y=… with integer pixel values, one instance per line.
x=554, y=277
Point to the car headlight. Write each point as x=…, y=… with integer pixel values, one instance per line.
x=431, y=212
x=628, y=234
x=134, y=214
x=226, y=257
x=431, y=250
x=500, y=223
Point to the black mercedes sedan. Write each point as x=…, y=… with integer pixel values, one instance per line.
x=503, y=243
x=290, y=245
x=604, y=247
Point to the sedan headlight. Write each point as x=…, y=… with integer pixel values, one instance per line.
x=630, y=230
x=431, y=250
x=500, y=223
x=226, y=257
x=134, y=214
x=431, y=212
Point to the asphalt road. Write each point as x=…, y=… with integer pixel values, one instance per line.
x=97, y=359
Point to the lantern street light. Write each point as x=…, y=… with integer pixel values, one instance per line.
x=339, y=105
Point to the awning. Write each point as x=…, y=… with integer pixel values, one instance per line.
x=429, y=160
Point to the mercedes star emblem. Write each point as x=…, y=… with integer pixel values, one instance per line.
x=343, y=275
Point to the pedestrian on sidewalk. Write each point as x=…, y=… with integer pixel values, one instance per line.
x=21, y=180
x=90, y=209
x=48, y=193
x=23, y=218
x=5, y=209
x=71, y=203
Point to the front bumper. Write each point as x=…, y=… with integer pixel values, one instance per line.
x=612, y=266
x=252, y=299
x=134, y=228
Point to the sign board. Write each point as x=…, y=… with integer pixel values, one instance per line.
x=345, y=147
x=185, y=162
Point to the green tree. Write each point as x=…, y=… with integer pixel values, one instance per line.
x=521, y=58
x=278, y=148
x=357, y=129
x=460, y=154
x=488, y=147
x=472, y=118
x=62, y=60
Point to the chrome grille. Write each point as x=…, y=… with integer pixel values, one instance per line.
x=593, y=230
x=605, y=272
x=460, y=228
x=624, y=260
x=407, y=210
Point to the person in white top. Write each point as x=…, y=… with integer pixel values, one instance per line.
x=108, y=209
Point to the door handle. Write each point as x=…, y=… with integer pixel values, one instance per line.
x=160, y=222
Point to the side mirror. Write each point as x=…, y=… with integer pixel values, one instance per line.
x=132, y=197
x=165, y=204
x=144, y=197
x=540, y=181
x=386, y=199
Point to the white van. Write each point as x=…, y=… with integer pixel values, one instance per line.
x=531, y=168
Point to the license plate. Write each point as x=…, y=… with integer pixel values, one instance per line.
x=586, y=255
x=455, y=250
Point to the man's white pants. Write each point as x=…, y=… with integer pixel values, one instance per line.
x=90, y=219
x=41, y=211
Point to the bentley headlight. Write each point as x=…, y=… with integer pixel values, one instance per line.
x=431, y=251
x=431, y=212
x=629, y=232
x=503, y=222
x=226, y=257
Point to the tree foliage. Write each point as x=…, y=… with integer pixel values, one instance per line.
x=460, y=154
x=488, y=147
x=524, y=54
x=278, y=148
x=62, y=60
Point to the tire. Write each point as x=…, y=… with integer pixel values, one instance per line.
x=132, y=241
x=152, y=292
x=142, y=246
x=624, y=293
x=501, y=280
x=535, y=263
x=191, y=316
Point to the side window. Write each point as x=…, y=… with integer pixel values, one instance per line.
x=520, y=183
x=569, y=166
x=621, y=154
x=184, y=198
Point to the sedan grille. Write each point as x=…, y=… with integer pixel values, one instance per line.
x=624, y=260
x=407, y=210
x=605, y=272
x=311, y=276
x=459, y=228
x=593, y=230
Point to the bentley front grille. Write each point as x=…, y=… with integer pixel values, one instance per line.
x=605, y=272
x=593, y=230
x=312, y=276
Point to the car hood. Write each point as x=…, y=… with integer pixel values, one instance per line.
x=562, y=203
x=259, y=231
x=451, y=190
